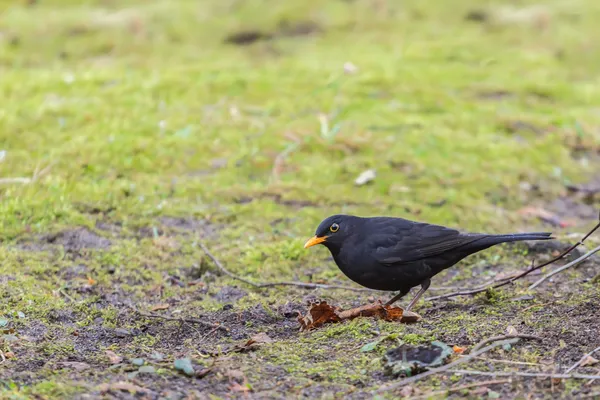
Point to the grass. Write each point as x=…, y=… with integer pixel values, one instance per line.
x=138, y=123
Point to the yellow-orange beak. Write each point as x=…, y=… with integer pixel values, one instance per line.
x=313, y=241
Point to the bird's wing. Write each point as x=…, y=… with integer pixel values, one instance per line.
x=411, y=241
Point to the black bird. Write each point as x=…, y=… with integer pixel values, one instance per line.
x=396, y=254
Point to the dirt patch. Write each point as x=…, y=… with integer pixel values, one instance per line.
x=284, y=29
x=72, y=241
x=77, y=239
x=229, y=294
x=518, y=126
x=570, y=208
x=277, y=198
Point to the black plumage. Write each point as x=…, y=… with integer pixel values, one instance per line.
x=396, y=254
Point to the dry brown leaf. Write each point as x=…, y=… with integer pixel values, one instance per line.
x=236, y=387
x=544, y=215
x=159, y=307
x=254, y=342
x=589, y=360
x=321, y=313
x=9, y=354
x=458, y=349
x=113, y=357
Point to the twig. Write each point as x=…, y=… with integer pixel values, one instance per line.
x=509, y=339
x=578, y=363
x=462, y=387
x=223, y=269
x=519, y=373
x=271, y=284
x=516, y=277
x=501, y=337
x=180, y=319
x=569, y=265
x=510, y=362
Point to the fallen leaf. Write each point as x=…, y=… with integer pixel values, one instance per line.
x=318, y=314
x=147, y=369
x=236, y=387
x=370, y=346
x=350, y=68
x=184, y=365
x=511, y=330
x=589, y=360
x=74, y=365
x=253, y=343
x=321, y=313
x=9, y=354
x=373, y=345
x=544, y=215
x=458, y=349
x=159, y=307
x=365, y=177
x=124, y=387
x=113, y=357
x=91, y=281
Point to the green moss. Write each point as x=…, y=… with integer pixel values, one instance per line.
x=133, y=112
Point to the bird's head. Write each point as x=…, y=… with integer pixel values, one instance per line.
x=332, y=231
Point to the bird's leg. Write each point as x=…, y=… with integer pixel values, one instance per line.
x=397, y=297
x=424, y=286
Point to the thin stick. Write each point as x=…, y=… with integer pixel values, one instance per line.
x=470, y=292
x=510, y=339
x=188, y=320
x=271, y=284
x=569, y=265
x=578, y=363
x=501, y=337
x=510, y=362
x=519, y=373
x=462, y=387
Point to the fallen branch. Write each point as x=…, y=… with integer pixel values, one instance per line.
x=524, y=374
x=261, y=285
x=578, y=363
x=179, y=319
x=564, y=267
x=500, y=341
x=508, y=281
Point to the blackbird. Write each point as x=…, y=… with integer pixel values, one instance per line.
x=396, y=254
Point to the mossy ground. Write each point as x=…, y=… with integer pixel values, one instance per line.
x=143, y=133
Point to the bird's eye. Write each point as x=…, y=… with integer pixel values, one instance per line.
x=334, y=227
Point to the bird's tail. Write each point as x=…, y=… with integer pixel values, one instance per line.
x=516, y=237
